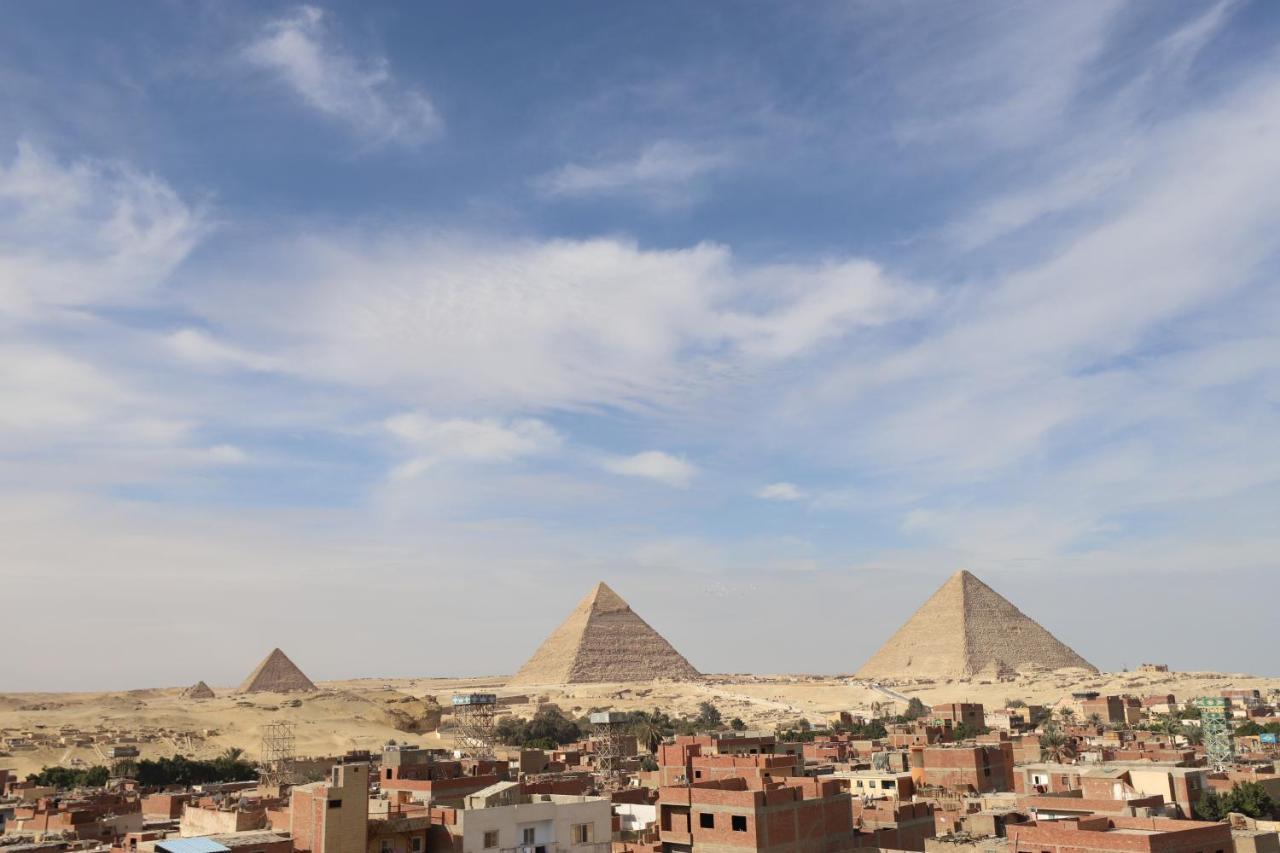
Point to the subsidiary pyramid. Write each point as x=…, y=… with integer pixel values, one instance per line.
x=967, y=629
x=604, y=640
x=199, y=690
x=276, y=674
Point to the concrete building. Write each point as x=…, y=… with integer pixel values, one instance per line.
x=501, y=820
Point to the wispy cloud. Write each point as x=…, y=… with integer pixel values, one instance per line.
x=436, y=440
x=539, y=324
x=664, y=173
x=87, y=233
x=359, y=92
x=780, y=492
x=653, y=465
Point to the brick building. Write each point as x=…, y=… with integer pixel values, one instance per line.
x=967, y=769
x=796, y=815
x=970, y=714
x=1120, y=835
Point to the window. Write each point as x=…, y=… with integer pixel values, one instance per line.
x=738, y=823
x=986, y=771
x=697, y=774
x=583, y=833
x=706, y=820
x=386, y=846
x=335, y=804
x=490, y=839
x=526, y=835
x=415, y=845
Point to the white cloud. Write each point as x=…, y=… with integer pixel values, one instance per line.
x=201, y=348
x=653, y=465
x=437, y=440
x=361, y=93
x=510, y=325
x=780, y=492
x=665, y=172
x=86, y=234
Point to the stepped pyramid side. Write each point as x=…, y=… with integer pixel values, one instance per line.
x=964, y=629
x=199, y=690
x=604, y=640
x=276, y=674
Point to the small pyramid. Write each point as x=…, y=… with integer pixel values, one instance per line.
x=604, y=640
x=199, y=690
x=276, y=674
x=964, y=629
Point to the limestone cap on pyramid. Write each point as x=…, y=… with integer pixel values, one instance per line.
x=276, y=674
x=604, y=640
x=966, y=628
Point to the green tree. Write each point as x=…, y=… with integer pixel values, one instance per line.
x=964, y=731
x=737, y=725
x=709, y=716
x=1249, y=798
x=915, y=709
x=1055, y=745
x=1210, y=806
x=650, y=729
x=1094, y=719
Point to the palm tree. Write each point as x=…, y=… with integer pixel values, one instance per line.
x=1054, y=744
x=1067, y=715
x=648, y=730
x=1193, y=734
x=232, y=754
x=1094, y=719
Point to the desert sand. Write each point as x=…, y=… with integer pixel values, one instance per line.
x=366, y=713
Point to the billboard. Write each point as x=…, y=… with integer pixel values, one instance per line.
x=1268, y=737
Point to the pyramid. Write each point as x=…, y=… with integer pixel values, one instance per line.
x=967, y=629
x=199, y=690
x=604, y=640
x=276, y=674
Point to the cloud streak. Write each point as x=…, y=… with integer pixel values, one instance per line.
x=361, y=93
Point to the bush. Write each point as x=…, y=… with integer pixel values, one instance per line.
x=915, y=709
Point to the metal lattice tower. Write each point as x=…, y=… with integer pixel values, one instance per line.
x=473, y=715
x=278, y=753
x=1216, y=726
x=610, y=729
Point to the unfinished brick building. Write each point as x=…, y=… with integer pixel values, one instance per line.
x=978, y=769
x=797, y=815
x=1100, y=834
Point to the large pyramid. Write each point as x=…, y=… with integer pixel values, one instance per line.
x=603, y=640
x=965, y=629
x=276, y=674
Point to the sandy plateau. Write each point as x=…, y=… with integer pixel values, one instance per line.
x=365, y=713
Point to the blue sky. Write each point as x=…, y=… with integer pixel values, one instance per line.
x=416, y=320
